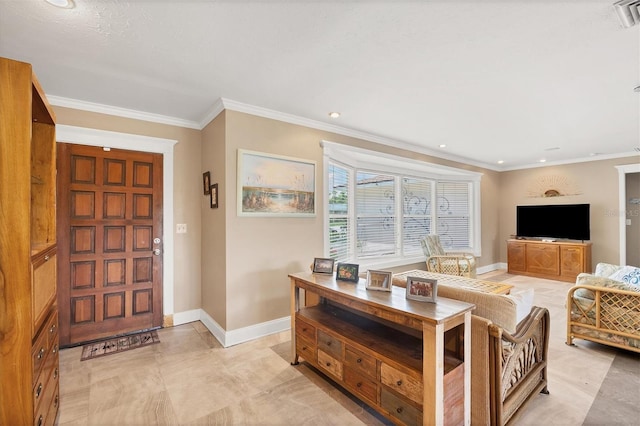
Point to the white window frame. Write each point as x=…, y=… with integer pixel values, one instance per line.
x=359, y=159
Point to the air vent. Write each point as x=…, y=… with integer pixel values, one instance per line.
x=628, y=12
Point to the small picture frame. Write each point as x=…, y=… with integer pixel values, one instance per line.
x=422, y=289
x=347, y=272
x=323, y=265
x=378, y=280
x=213, y=194
x=206, y=182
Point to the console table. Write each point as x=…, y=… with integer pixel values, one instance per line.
x=554, y=260
x=409, y=360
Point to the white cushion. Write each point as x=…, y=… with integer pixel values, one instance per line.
x=627, y=274
x=524, y=302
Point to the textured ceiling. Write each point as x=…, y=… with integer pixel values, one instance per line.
x=493, y=80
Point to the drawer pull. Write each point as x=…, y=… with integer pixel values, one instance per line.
x=52, y=329
x=39, y=390
x=55, y=349
x=46, y=258
x=328, y=364
x=399, y=410
x=41, y=353
x=399, y=383
x=304, y=329
x=329, y=343
x=359, y=384
x=304, y=348
x=40, y=420
x=359, y=360
x=55, y=401
x=55, y=373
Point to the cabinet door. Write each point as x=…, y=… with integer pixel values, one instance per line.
x=43, y=288
x=543, y=259
x=572, y=261
x=516, y=258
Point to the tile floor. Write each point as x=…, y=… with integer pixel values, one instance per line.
x=190, y=379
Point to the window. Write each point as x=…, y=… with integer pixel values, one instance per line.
x=378, y=213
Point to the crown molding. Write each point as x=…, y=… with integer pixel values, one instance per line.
x=572, y=161
x=121, y=112
x=319, y=125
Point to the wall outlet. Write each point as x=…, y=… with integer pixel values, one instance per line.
x=181, y=228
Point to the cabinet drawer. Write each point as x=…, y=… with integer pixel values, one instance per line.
x=43, y=286
x=39, y=352
x=306, y=350
x=48, y=395
x=402, y=382
x=362, y=386
x=360, y=362
x=328, y=363
x=397, y=407
x=305, y=330
x=53, y=408
x=51, y=328
x=329, y=344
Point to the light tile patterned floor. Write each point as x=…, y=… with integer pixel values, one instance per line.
x=188, y=378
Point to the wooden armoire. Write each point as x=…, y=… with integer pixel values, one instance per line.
x=29, y=371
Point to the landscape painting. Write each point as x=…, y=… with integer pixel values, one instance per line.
x=275, y=185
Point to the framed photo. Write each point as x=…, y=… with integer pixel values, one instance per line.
x=213, y=194
x=347, y=272
x=274, y=185
x=323, y=266
x=206, y=182
x=423, y=289
x=378, y=280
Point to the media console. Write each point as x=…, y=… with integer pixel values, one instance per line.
x=554, y=260
x=409, y=360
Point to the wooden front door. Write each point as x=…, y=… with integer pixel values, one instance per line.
x=109, y=242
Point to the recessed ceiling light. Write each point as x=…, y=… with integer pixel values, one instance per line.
x=543, y=160
x=334, y=114
x=67, y=4
x=442, y=145
x=500, y=161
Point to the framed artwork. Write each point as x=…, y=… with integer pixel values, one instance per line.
x=206, y=182
x=323, y=266
x=347, y=272
x=378, y=280
x=423, y=289
x=275, y=185
x=213, y=194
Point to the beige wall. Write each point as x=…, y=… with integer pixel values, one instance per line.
x=594, y=182
x=633, y=214
x=214, y=221
x=261, y=251
x=187, y=193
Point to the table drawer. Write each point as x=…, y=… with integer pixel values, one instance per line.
x=306, y=350
x=329, y=344
x=402, y=382
x=328, y=363
x=360, y=362
x=399, y=408
x=305, y=329
x=361, y=385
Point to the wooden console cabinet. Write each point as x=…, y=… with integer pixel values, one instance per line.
x=557, y=260
x=29, y=371
x=409, y=360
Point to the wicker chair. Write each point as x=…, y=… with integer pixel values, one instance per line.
x=441, y=262
x=604, y=310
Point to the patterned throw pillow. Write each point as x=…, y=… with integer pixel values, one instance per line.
x=628, y=275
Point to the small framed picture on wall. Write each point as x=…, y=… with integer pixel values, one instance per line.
x=206, y=182
x=213, y=194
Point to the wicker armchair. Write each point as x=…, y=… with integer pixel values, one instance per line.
x=441, y=262
x=603, y=310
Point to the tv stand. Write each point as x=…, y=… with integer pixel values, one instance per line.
x=554, y=260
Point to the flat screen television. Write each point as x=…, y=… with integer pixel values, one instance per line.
x=559, y=221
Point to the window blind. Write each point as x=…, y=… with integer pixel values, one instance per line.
x=339, y=222
x=375, y=214
x=453, y=210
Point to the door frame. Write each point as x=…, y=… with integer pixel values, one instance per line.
x=109, y=139
x=622, y=206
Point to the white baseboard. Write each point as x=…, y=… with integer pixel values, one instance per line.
x=233, y=337
x=492, y=267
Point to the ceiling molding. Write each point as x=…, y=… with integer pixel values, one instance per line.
x=319, y=125
x=572, y=161
x=121, y=112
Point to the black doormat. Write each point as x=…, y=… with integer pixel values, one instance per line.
x=119, y=344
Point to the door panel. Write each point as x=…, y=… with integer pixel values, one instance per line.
x=110, y=226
